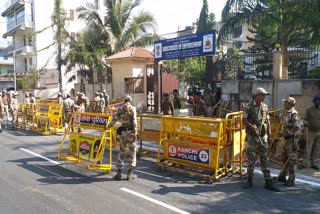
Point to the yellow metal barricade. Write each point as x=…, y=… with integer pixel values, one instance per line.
x=149, y=134
x=192, y=142
x=55, y=118
x=87, y=142
x=41, y=122
x=30, y=113
x=235, y=135
x=21, y=116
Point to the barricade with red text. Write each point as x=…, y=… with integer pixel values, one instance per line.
x=87, y=141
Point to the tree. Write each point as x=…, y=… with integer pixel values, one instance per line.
x=206, y=21
x=275, y=21
x=29, y=81
x=60, y=34
x=121, y=28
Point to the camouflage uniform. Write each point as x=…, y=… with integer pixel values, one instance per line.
x=68, y=105
x=199, y=107
x=176, y=104
x=290, y=131
x=14, y=106
x=5, y=100
x=167, y=105
x=1, y=113
x=97, y=108
x=128, y=116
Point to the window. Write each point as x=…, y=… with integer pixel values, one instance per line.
x=30, y=62
x=134, y=85
x=20, y=16
x=71, y=18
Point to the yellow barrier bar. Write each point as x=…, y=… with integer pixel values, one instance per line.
x=87, y=141
x=193, y=142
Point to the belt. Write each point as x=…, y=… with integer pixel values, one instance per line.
x=126, y=129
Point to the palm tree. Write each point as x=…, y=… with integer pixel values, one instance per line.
x=120, y=28
x=277, y=20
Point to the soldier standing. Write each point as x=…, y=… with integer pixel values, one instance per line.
x=14, y=106
x=290, y=131
x=97, y=108
x=60, y=99
x=210, y=102
x=127, y=114
x=256, y=120
x=32, y=99
x=79, y=105
x=102, y=103
x=176, y=102
x=167, y=105
x=199, y=106
x=68, y=104
x=5, y=100
x=1, y=113
x=26, y=99
x=106, y=98
x=312, y=122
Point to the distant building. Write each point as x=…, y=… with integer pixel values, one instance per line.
x=24, y=18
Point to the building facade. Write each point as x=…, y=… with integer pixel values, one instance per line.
x=28, y=23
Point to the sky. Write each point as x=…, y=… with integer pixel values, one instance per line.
x=174, y=15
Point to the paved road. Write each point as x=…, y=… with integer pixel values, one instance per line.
x=32, y=181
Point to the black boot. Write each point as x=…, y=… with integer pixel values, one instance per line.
x=269, y=184
x=281, y=178
x=130, y=175
x=249, y=183
x=118, y=175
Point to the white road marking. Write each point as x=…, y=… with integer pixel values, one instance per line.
x=155, y=201
x=21, y=133
x=40, y=156
x=154, y=175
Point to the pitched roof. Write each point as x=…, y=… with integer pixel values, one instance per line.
x=133, y=52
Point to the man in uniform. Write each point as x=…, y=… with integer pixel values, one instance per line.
x=97, y=108
x=68, y=104
x=290, y=131
x=60, y=99
x=167, y=105
x=176, y=102
x=102, y=103
x=1, y=113
x=199, y=106
x=5, y=100
x=106, y=98
x=209, y=99
x=128, y=133
x=312, y=122
x=14, y=106
x=32, y=98
x=26, y=99
x=79, y=105
x=258, y=130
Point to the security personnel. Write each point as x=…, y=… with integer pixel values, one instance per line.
x=176, y=102
x=290, y=131
x=60, y=99
x=68, y=105
x=14, y=106
x=32, y=98
x=127, y=114
x=258, y=130
x=106, y=98
x=199, y=106
x=80, y=104
x=1, y=113
x=97, y=108
x=167, y=105
x=5, y=99
x=102, y=103
x=209, y=99
x=26, y=99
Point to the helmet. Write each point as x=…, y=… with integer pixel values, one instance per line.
x=127, y=98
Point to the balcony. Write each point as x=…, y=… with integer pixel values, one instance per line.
x=22, y=24
x=25, y=51
x=12, y=5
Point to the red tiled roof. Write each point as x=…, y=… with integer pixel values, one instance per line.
x=132, y=52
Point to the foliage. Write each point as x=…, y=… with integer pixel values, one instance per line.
x=314, y=73
x=206, y=21
x=229, y=63
x=274, y=21
x=28, y=81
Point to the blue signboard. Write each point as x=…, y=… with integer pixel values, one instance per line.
x=201, y=44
